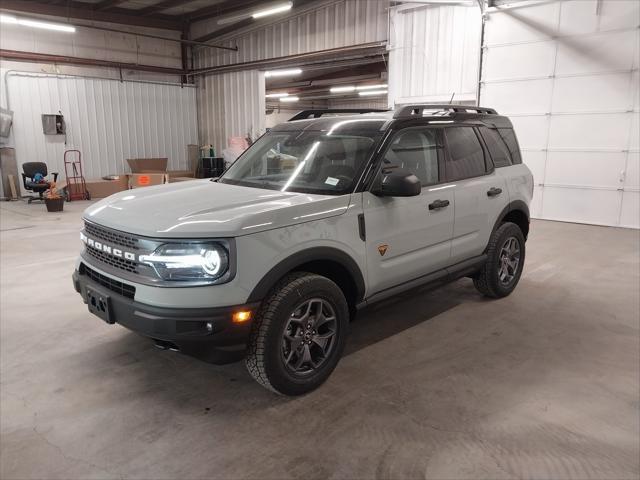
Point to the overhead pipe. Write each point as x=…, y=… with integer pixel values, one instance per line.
x=22, y=56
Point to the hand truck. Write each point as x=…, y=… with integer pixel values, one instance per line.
x=76, y=186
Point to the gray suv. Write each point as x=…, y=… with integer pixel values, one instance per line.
x=324, y=214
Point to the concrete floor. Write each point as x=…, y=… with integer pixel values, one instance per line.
x=446, y=384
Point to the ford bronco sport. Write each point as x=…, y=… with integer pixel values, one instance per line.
x=322, y=215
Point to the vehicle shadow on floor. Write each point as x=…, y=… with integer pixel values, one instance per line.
x=385, y=319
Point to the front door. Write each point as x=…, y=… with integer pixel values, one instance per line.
x=408, y=237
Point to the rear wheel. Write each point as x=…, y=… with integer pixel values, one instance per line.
x=505, y=260
x=298, y=335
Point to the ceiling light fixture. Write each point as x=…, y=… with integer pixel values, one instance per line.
x=369, y=87
x=36, y=24
x=372, y=92
x=289, y=99
x=341, y=89
x=271, y=11
x=282, y=73
x=277, y=95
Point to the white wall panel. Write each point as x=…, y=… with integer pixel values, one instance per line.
x=519, y=61
x=604, y=52
x=108, y=121
x=434, y=52
x=630, y=212
x=532, y=131
x=231, y=104
x=598, y=131
x=567, y=73
x=610, y=92
x=599, y=169
x=581, y=205
x=538, y=23
x=526, y=96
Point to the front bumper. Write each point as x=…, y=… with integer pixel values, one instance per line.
x=184, y=329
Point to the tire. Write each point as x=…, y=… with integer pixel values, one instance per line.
x=494, y=281
x=284, y=353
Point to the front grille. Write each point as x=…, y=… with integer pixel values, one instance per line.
x=113, y=285
x=117, y=262
x=111, y=236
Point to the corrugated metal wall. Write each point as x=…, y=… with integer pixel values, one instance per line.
x=108, y=121
x=434, y=51
x=323, y=26
x=231, y=104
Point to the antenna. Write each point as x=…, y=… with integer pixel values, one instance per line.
x=452, y=95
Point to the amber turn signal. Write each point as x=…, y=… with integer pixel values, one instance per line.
x=242, y=316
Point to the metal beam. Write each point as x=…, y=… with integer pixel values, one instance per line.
x=79, y=10
x=104, y=4
x=21, y=56
x=220, y=9
x=160, y=6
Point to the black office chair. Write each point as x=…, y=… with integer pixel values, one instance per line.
x=29, y=171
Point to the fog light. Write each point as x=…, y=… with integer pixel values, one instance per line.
x=242, y=316
x=209, y=327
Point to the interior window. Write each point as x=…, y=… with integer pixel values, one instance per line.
x=415, y=150
x=509, y=137
x=466, y=156
x=497, y=148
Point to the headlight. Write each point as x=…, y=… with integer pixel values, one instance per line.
x=202, y=262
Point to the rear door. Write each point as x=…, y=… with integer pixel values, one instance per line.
x=405, y=238
x=480, y=193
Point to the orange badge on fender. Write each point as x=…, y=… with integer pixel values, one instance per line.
x=382, y=249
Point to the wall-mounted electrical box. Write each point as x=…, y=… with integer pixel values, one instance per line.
x=53, y=124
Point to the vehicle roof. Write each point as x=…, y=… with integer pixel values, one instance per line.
x=381, y=121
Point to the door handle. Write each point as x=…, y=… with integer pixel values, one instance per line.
x=494, y=192
x=438, y=204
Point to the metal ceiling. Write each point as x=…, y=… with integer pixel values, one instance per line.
x=166, y=14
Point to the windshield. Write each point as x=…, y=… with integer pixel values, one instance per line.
x=303, y=161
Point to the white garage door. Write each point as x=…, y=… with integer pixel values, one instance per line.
x=567, y=75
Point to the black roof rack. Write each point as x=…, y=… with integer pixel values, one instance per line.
x=407, y=111
x=317, y=113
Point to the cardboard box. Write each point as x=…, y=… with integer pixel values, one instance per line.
x=100, y=188
x=137, y=180
x=180, y=179
x=148, y=165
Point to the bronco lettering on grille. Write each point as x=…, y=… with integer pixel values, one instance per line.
x=116, y=252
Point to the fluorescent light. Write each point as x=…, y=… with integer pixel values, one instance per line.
x=369, y=87
x=289, y=99
x=37, y=24
x=283, y=73
x=341, y=89
x=270, y=11
x=277, y=95
x=372, y=92
x=8, y=19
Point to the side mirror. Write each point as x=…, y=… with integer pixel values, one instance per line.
x=397, y=183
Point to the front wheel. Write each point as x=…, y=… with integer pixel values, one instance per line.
x=505, y=260
x=298, y=335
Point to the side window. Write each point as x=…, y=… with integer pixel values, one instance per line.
x=509, y=137
x=466, y=156
x=497, y=148
x=415, y=150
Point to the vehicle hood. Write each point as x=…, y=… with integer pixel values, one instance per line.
x=205, y=209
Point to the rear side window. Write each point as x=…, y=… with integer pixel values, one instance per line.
x=415, y=150
x=497, y=148
x=466, y=156
x=509, y=137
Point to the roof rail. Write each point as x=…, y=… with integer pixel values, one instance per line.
x=407, y=111
x=317, y=113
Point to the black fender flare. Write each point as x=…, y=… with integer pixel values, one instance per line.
x=511, y=206
x=290, y=263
